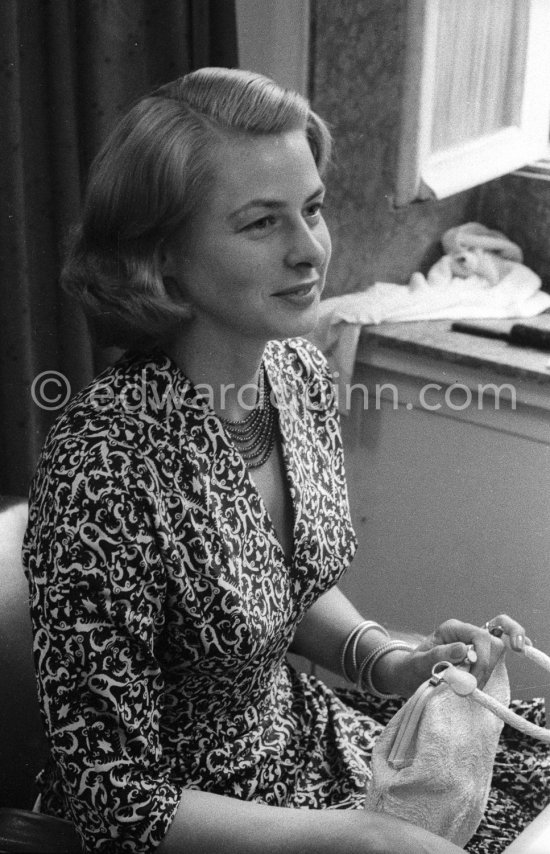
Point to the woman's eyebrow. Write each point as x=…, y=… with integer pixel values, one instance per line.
x=272, y=204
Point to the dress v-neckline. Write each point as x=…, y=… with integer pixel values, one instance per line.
x=289, y=493
x=288, y=474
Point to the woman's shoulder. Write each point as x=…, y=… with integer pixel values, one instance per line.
x=124, y=434
x=302, y=370
x=297, y=353
x=136, y=388
x=129, y=407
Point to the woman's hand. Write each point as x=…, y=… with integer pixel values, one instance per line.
x=402, y=672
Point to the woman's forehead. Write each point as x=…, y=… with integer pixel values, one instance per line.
x=267, y=166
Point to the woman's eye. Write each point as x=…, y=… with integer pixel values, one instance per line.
x=261, y=224
x=314, y=211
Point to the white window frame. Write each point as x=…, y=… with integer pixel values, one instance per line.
x=423, y=173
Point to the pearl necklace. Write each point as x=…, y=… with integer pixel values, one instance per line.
x=254, y=436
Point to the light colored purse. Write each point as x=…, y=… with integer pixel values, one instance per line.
x=432, y=765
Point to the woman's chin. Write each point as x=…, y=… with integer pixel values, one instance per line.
x=301, y=322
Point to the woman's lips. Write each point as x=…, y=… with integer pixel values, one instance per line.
x=299, y=294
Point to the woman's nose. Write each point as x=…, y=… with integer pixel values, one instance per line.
x=308, y=245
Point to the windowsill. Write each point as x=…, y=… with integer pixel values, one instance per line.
x=436, y=338
x=421, y=353
x=538, y=169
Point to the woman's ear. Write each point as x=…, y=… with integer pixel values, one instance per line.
x=170, y=269
x=166, y=259
x=172, y=288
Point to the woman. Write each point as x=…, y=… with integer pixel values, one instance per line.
x=189, y=516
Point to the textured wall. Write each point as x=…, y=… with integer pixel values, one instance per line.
x=356, y=75
x=520, y=207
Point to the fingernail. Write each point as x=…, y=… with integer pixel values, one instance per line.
x=471, y=654
x=517, y=642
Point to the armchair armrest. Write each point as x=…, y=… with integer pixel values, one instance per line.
x=34, y=833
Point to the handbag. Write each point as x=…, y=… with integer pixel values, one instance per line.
x=432, y=764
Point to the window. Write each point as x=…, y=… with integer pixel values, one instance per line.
x=476, y=103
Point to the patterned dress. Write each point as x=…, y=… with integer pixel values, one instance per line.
x=163, y=607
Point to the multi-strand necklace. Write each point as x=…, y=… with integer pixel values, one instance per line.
x=254, y=436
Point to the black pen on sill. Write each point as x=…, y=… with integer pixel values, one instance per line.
x=480, y=331
x=520, y=335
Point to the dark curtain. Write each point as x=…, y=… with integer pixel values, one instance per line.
x=70, y=68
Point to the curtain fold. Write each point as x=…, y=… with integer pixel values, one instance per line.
x=71, y=68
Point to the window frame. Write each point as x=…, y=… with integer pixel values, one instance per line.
x=423, y=173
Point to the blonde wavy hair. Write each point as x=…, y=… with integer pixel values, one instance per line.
x=145, y=183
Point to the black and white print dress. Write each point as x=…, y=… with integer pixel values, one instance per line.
x=163, y=608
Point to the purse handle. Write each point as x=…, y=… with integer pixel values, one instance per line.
x=463, y=683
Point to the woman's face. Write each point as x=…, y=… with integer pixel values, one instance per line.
x=252, y=262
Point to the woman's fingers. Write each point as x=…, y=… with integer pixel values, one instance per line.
x=488, y=648
x=477, y=647
x=503, y=624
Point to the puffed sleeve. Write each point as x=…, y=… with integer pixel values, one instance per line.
x=97, y=585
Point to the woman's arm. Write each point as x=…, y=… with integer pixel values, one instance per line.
x=97, y=583
x=323, y=631
x=207, y=823
x=322, y=634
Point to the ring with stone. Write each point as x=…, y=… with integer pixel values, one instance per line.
x=494, y=629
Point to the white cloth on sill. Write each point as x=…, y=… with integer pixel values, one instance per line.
x=439, y=296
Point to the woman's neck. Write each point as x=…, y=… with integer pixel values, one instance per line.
x=227, y=372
